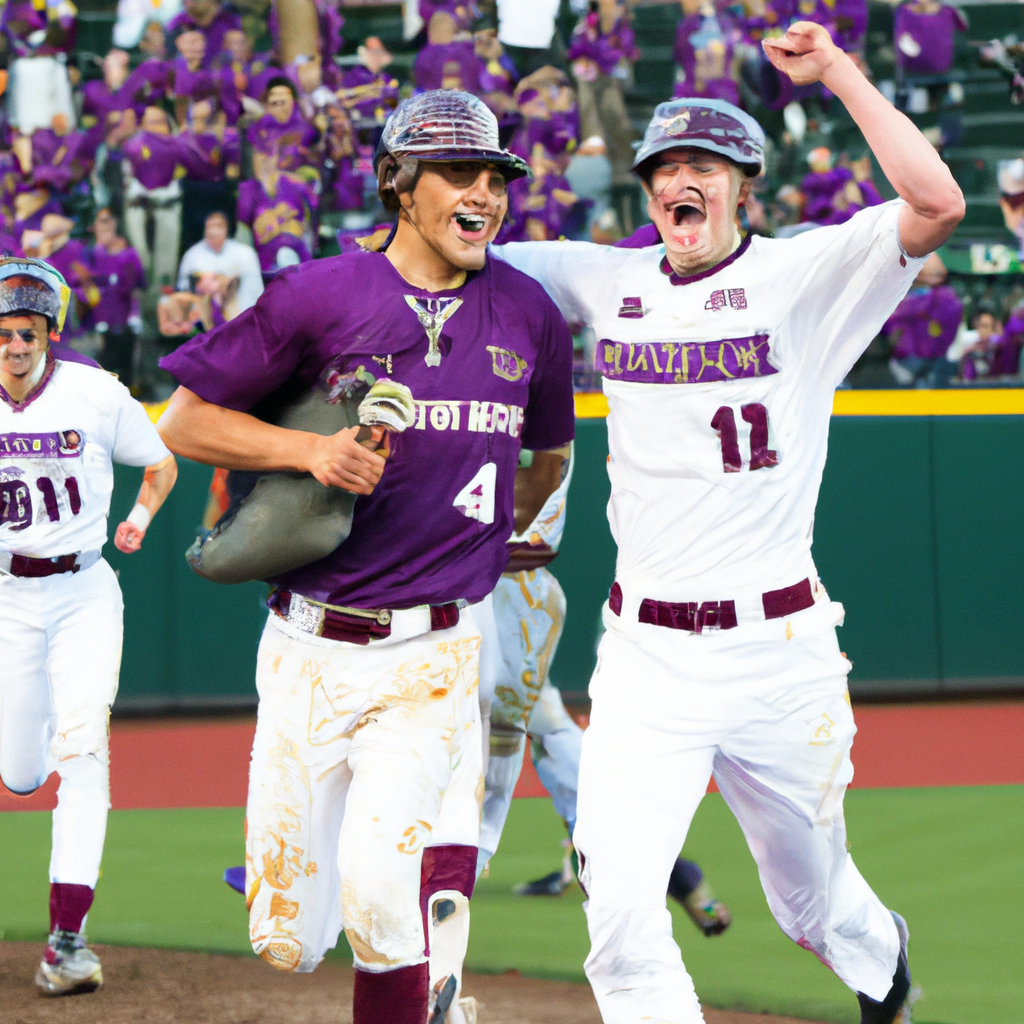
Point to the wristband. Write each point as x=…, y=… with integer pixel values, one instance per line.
x=140, y=516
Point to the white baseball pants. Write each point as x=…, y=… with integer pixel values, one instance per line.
x=529, y=615
x=363, y=757
x=60, y=651
x=771, y=719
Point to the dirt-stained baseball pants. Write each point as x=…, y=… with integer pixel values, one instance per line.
x=60, y=652
x=771, y=719
x=364, y=757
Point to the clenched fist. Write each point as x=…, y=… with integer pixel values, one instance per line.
x=339, y=460
x=128, y=537
x=804, y=53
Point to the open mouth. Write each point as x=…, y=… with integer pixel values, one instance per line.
x=687, y=215
x=470, y=224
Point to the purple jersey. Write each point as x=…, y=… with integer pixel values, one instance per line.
x=646, y=235
x=155, y=158
x=924, y=42
x=926, y=322
x=293, y=139
x=220, y=154
x=146, y=86
x=368, y=95
x=278, y=221
x=216, y=83
x=704, y=49
x=462, y=12
x=434, y=530
x=57, y=160
x=116, y=275
x=606, y=50
x=447, y=66
x=224, y=21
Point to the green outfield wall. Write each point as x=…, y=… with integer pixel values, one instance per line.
x=919, y=532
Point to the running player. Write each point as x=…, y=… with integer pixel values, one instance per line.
x=720, y=356
x=366, y=773
x=62, y=425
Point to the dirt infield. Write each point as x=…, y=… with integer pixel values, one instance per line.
x=150, y=985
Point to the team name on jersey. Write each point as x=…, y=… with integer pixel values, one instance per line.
x=66, y=444
x=685, y=362
x=476, y=417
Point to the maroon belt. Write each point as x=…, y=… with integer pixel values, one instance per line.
x=361, y=629
x=34, y=568
x=695, y=616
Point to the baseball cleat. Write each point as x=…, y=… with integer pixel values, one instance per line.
x=235, y=877
x=895, y=1008
x=445, y=997
x=711, y=916
x=68, y=967
x=550, y=885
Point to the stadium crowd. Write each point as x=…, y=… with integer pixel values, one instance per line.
x=170, y=178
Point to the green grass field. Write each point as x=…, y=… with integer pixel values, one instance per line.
x=950, y=860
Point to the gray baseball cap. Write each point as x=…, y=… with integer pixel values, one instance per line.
x=445, y=125
x=713, y=125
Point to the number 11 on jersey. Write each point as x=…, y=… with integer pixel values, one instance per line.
x=761, y=456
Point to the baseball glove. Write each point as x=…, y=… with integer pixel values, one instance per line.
x=281, y=521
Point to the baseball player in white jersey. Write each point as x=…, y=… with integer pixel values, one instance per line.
x=720, y=357
x=366, y=775
x=62, y=425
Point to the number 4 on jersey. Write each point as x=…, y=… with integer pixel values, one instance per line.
x=761, y=456
x=476, y=499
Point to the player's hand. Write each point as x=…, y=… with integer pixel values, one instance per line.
x=804, y=53
x=339, y=460
x=128, y=538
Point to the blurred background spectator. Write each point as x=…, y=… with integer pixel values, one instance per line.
x=171, y=156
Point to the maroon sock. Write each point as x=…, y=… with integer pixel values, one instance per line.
x=397, y=997
x=72, y=903
x=445, y=867
x=54, y=904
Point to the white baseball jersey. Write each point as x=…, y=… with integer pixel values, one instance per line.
x=720, y=389
x=56, y=455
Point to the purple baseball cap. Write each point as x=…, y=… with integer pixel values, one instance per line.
x=714, y=125
x=445, y=125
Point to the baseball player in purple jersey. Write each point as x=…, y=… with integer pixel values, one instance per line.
x=720, y=356
x=366, y=776
x=63, y=422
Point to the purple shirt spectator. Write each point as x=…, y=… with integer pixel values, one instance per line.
x=219, y=153
x=924, y=37
x=21, y=20
x=367, y=94
x=925, y=322
x=217, y=83
x=154, y=158
x=278, y=221
x=447, y=66
x=606, y=50
x=225, y=20
x=292, y=139
x=504, y=381
x=463, y=12
x=116, y=275
x=774, y=16
x=704, y=50
x=146, y=86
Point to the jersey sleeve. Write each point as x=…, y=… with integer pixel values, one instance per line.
x=852, y=278
x=561, y=268
x=550, y=420
x=244, y=360
x=136, y=442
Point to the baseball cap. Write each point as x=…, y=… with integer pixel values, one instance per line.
x=444, y=125
x=714, y=125
x=30, y=286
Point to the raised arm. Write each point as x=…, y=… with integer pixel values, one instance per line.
x=222, y=437
x=156, y=485
x=935, y=204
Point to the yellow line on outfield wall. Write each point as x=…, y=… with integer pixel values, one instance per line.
x=954, y=402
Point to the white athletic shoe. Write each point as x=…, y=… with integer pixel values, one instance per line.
x=68, y=966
